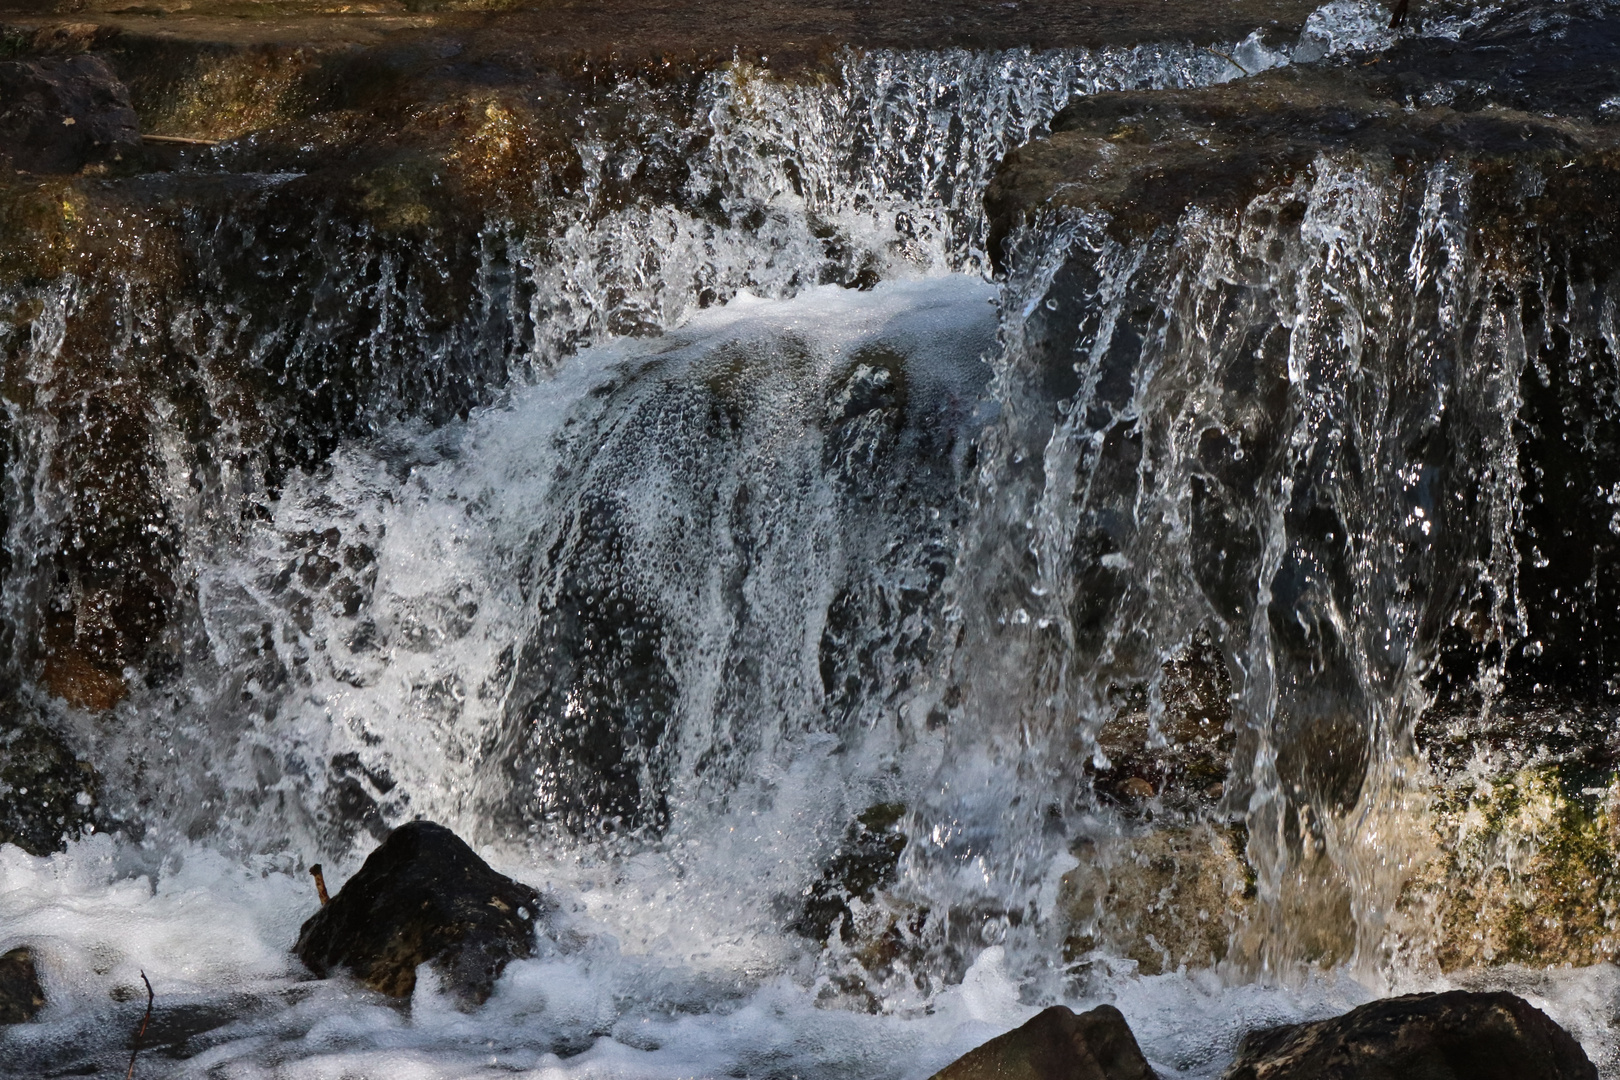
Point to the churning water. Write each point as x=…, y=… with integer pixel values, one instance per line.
x=746, y=579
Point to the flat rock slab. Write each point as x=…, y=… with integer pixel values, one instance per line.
x=21, y=996
x=1457, y=1035
x=1058, y=1044
x=1507, y=91
x=787, y=33
x=424, y=896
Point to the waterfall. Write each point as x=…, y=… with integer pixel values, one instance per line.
x=867, y=633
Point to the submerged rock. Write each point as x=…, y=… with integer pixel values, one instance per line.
x=21, y=996
x=1181, y=755
x=58, y=115
x=1457, y=1035
x=424, y=896
x=1057, y=1044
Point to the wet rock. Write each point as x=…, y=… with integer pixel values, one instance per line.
x=1144, y=157
x=1166, y=899
x=1058, y=1044
x=1511, y=121
x=1525, y=871
x=58, y=115
x=1181, y=752
x=21, y=996
x=47, y=793
x=865, y=861
x=1457, y=1035
x=424, y=896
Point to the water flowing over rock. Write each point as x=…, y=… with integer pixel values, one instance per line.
x=49, y=793
x=1455, y=1034
x=893, y=513
x=1290, y=349
x=424, y=897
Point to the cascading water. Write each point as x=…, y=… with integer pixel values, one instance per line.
x=863, y=650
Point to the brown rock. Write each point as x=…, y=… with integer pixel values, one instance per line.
x=1452, y=1036
x=1166, y=899
x=1186, y=753
x=1057, y=1045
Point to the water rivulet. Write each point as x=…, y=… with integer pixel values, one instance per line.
x=888, y=547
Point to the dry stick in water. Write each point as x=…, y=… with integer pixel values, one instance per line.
x=320, y=883
x=141, y=1034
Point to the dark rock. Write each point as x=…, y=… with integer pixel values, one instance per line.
x=46, y=793
x=424, y=896
x=1183, y=757
x=21, y=996
x=865, y=862
x=59, y=115
x=1457, y=1035
x=1057, y=1045
x=1144, y=157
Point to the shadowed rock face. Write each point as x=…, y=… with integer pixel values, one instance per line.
x=424, y=896
x=58, y=115
x=1058, y=1045
x=1452, y=1036
x=47, y=793
x=21, y=996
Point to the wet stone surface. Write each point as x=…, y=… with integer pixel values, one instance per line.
x=1058, y=1044
x=60, y=114
x=422, y=897
x=1451, y=1035
x=48, y=794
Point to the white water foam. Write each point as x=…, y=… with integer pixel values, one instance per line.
x=210, y=933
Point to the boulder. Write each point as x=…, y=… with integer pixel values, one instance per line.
x=21, y=996
x=1457, y=1035
x=424, y=896
x=58, y=115
x=1057, y=1044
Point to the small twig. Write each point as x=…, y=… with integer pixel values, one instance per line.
x=1228, y=59
x=141, y=1034
x=320, y=884
x=180, y=140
